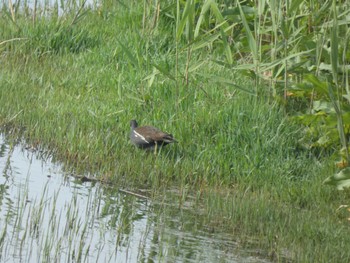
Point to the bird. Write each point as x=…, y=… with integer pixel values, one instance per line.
x=149, y=137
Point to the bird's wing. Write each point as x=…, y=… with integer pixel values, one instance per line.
x=153, y=134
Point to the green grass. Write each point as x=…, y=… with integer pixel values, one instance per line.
x=72, y=90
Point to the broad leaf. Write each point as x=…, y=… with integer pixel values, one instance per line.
x=341, y=180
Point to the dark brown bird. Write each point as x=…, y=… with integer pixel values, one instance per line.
x=148, y=137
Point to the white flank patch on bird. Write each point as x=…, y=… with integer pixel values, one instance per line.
x=142, y=138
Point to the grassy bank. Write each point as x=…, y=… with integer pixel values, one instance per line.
x=70, y=84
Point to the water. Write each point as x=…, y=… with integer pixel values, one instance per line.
x=45, y=7
x=49, y=216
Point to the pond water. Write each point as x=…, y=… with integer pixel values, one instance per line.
x=49, y=216
x=49, y=4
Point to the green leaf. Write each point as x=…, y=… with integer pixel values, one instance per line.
x=250, y=37
x=334, y=45
x=320, y=87
x=295, y=4
x=341, y=180
x=228, y=52
x=209, y=38
x=324, y=106
x=337, y=108
x=210, y=4
x=226, y=82
x=204, y=10
x=347, y=96
x=164, y=71
x=131, y=57
x=186, y=20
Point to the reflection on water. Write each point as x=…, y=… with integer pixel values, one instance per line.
x=46, y=216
